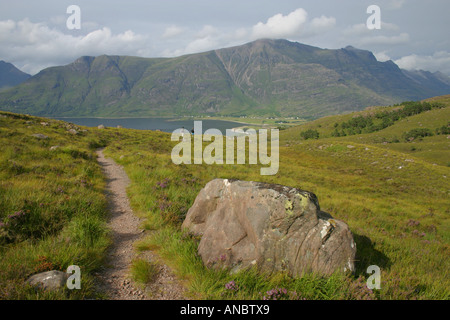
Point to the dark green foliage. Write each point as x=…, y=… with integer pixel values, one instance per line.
x=443, y=130
x=383, y=119
x=95, y=144
x=417, y=134
x=310, y=134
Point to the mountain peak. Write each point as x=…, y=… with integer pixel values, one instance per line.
x=266, y=77
x=11, y=76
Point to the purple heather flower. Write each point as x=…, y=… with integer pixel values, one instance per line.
x=231, y=286
x=17, y=214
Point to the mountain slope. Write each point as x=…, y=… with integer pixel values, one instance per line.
x=10, y=76
x=265, y=77
x=434, y=147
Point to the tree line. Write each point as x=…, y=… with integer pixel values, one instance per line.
x=382, y=119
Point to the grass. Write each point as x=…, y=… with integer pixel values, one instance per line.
x=52, y=205
x=395, y=204
x=433, y=149
x=143, y=271
x=393, y=196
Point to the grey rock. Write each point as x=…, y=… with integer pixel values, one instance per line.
x=272, y=227
x=101, y=127
x=40, y=136
x=50, y=280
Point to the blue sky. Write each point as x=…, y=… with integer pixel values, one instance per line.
x=33, y=34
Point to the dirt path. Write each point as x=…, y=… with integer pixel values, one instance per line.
x=114, y=279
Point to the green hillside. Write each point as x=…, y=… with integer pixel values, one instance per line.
x=394, y=199
x=52, y=205
x=261, y=78
x=434, y=148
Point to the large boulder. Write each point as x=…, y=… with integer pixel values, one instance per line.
x=272, y=227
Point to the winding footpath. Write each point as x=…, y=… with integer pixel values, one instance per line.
x=114, y=279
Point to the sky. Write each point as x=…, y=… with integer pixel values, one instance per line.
x=34, y=34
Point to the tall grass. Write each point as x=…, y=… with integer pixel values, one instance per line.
x=52, y=206
x=143, y=271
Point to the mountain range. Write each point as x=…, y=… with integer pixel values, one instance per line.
x=10, y=76
x=261, y=78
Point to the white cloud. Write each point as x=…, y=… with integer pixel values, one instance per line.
x=382, y=56
x=319, y=26
x=361, y=29
x=389, y=26
x=323, y=22
x=280, y=26
x=396, y=4
x=360, y=35
x=207, y=31
x=356, y=30
x=208, y=38
x=386, y=40
x=172, y=32
x=240, y=34
x=439, y=61
x=200, y=45
x=294, y=25
x=33, y=46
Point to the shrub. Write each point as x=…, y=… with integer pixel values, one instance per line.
x=310, y=134
x=385, y=119
x=95, y=144
x=417, y=134
x=443, y=130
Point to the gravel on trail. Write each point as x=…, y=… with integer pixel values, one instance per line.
x=114, y=280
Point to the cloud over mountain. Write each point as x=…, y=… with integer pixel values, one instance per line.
x=34, y=36
x=37, y=46
x=440, y=61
